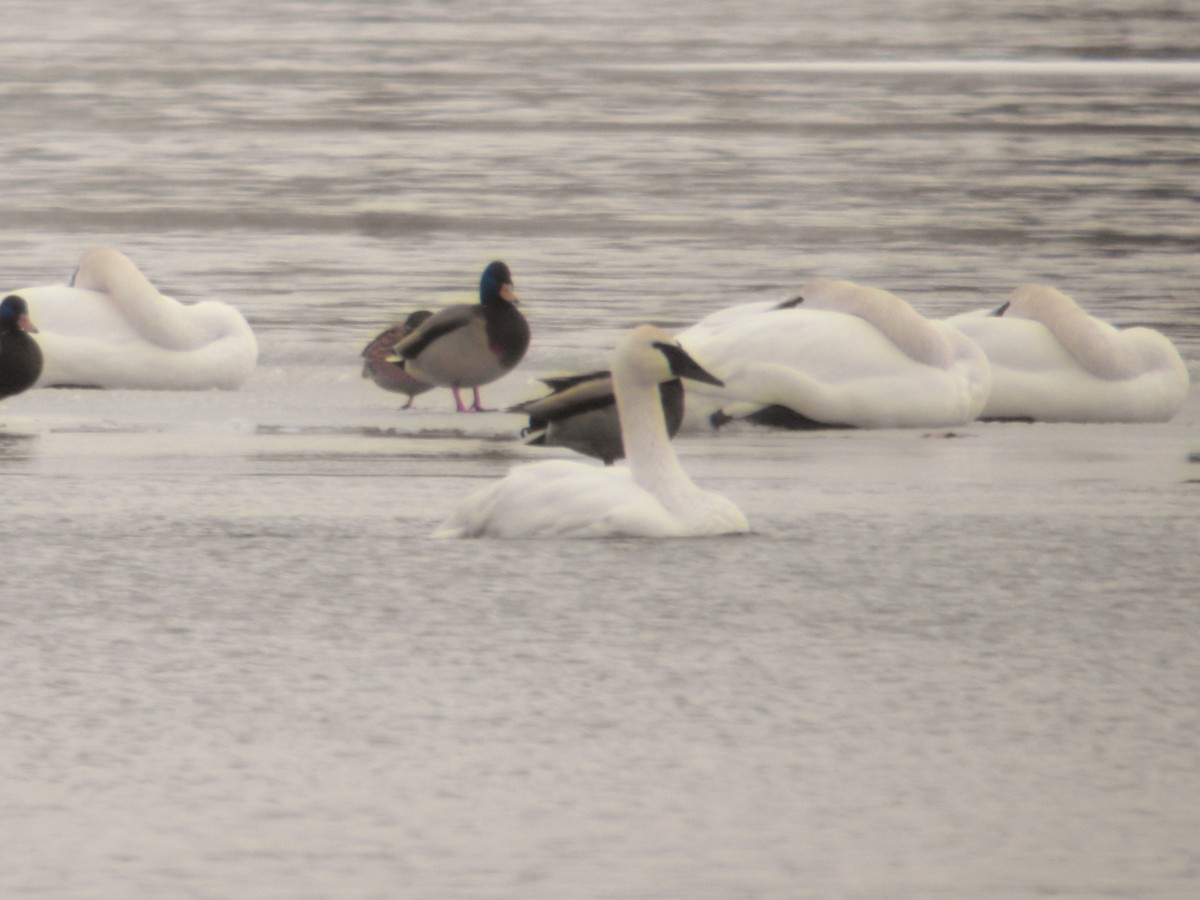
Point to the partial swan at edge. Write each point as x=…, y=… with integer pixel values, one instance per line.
x=1053, y=362
x=840, y=354
x=110, y=328
x=651, y=497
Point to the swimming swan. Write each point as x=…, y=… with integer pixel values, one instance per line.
x=840, y=354
x=652, y=497
x=469, y=344
x=1052, y=362
x=20, y=355
x=388, y=375
x=580, y=413
x=110, y=328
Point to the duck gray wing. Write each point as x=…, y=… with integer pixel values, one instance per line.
x=442, y=323
x=570, y=395
x=562, y=382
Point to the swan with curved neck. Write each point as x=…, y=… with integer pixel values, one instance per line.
x=110, y=328
x=652, y=497
x=1053, y=362
x=840, y=354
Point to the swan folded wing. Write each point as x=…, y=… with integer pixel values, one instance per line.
x=913, y=334
x=933, y=400
x=1076, y=395
x=833, y=346
x=1035, y=375
x=561, y=498
x=839, y=369
x=729, y=317
x=88, y=362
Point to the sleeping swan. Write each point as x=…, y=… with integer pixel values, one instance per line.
x=653, y=497
x=840, y=354
x=110, y=328
x=1052, y=362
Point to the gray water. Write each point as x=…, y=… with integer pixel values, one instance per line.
x=234, y=663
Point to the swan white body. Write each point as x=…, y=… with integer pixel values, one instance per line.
x=844, y=355
x=653, y=497
x=112, y=329
x=1052, y=362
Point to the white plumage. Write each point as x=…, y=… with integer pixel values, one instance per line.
x=1052, y=362
x=111, y=328
x=841, y=354
x=653, y=497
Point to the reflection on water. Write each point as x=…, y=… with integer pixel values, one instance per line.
x=937, y=668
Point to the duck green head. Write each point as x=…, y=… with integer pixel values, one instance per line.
x=496, y=284
x=14, y=313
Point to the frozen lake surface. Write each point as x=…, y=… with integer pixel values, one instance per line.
x=941, y=665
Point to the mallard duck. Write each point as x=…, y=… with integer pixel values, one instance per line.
x=20, y=355
x=468, y=345
x=388, y=375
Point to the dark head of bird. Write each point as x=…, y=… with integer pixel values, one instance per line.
x=683, y=366
x=14, y=313
x=496, y=284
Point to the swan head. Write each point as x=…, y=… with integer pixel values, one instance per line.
x=651, y=355
x=14, y=313
x=496, y=283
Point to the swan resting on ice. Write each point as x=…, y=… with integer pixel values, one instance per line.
x=652, y=497
x=840, y=354
x=110, y=328
x=1052, y=362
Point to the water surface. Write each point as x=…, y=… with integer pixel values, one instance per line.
x=235, y=663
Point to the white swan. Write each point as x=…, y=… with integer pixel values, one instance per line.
x=653, y=497
x=110, y=328
x=840, y=354
x=1052, y=362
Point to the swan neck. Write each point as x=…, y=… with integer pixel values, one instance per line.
x=651, y=458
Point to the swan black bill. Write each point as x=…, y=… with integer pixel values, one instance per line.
x=683, y=366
